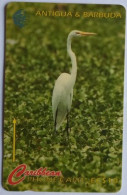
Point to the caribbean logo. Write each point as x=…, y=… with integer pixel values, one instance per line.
x=20, y=173
x=20, y=18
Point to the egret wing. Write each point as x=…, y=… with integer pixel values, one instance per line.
x=60, y=99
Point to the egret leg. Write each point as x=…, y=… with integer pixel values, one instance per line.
x=67, y=126
x=55, y=121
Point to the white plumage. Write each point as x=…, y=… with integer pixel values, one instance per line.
x=63, y=89
x=62, y=98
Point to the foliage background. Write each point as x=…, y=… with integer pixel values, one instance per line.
x=35, y=56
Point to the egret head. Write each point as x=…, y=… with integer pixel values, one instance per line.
x=77, y=33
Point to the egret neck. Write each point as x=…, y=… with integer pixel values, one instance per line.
x=73, y=60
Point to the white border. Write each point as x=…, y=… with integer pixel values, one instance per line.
x=123, y=190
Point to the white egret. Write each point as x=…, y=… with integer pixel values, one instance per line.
x=63, y=89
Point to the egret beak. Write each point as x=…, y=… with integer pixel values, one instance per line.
x=85, y=33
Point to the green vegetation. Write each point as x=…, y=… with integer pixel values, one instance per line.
x=34, y=60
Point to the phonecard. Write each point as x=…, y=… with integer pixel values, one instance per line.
x=63, y=97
